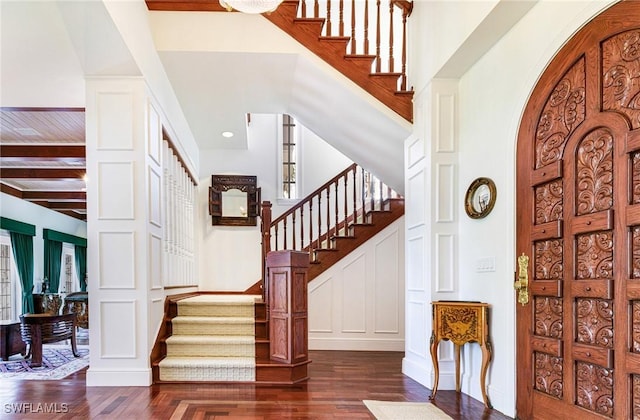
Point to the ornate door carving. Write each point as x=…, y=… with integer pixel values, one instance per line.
x=578, y=207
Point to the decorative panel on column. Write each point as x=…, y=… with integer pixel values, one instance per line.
x=287, y=306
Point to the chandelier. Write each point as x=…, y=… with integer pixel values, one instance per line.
x=251, y=6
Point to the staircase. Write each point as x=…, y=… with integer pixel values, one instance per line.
x=334, y=220
x=364, y=40
x=209, y=337
x=213, y=339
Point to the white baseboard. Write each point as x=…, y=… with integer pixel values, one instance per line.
x=136, y=377
x=358, y=344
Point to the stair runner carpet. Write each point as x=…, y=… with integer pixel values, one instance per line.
x=213, y=340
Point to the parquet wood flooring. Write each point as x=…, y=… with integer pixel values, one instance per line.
x=340, y=380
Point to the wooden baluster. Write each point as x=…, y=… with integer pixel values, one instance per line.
x=372, y=197
x=303, y=9
x=310, y=223
x=328, y=214
x=319, y=218
x=391, y=64
x=363, y=194
x=366, y=27
x=284, y=233
x=302, y=227
x=328, y=18
x=403, y=83
x=381, y=196
x=316, y=9
x=293, y=228
x=355, y=195
x=353, y=26
x=335, y=227
x=346, y=199
x=341, y=18
x=378, y=63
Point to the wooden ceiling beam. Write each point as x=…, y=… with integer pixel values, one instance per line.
x=54, y=195
x=42, y=173
x=41, y=151
x=67, y=205
x=7, y=189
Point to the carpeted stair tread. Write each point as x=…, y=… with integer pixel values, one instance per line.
x=213, y=339
x=202, y=325
x=207, y=369
x=199, y=339
x=207, y=361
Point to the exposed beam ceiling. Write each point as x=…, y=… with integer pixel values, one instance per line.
x=42, y=157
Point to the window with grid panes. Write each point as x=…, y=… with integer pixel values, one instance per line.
x=6, y=289
x=68, y=273
x=289, y=153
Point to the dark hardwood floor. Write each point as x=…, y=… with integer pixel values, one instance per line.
x=339, y=381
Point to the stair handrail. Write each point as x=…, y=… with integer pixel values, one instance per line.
x=344, y=199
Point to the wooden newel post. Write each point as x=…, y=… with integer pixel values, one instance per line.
x=287, y=301
x=265, y=227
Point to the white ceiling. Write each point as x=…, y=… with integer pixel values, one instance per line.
x=220, y=67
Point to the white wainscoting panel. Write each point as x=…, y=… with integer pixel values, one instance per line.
x=415, y=152
x=115, y=120
x=358, y=303
x=154, y=134
x=445, y=185
x=415, y=200
x=416, y=344
x=117, y=259
x=445, y=123
x=415, y=271
x=155, y=261
x=387, y=292
x=321, y=305
x=354, y=296
x=154, y=197
x=445, y=259
x=116, y=191
x=118, y=329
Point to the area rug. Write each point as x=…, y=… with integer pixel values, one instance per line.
x=391, y=410
x=58, y=362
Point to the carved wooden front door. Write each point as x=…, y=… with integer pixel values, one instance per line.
x=578, y=216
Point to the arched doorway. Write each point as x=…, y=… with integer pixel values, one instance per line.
x=578, y=212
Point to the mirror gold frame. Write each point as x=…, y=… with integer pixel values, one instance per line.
x=480, y=198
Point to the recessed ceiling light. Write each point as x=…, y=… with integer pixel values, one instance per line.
x=227, y=134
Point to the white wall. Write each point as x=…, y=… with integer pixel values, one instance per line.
x=491, y=94
x=230, y=256
x=43, y=218
x=358, y=303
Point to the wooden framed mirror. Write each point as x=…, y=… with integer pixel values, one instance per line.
x=234, y=200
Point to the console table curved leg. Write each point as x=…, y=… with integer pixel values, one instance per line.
x=486, y=358
x=436, y=368
x=457, y=357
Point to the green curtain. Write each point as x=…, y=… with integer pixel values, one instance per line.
x=81, y=266
x=22, y=246
x=52, y=263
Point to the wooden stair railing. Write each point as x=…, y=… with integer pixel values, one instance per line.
x=366, y=40
x=367, y=59
x=332, y=219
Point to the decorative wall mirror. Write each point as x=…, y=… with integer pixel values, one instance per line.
x=480, y=198
x=234, y=200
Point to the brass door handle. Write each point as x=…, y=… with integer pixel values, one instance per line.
x=522, y=282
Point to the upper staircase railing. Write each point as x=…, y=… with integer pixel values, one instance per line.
x=375, y=28
x=331, y=211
